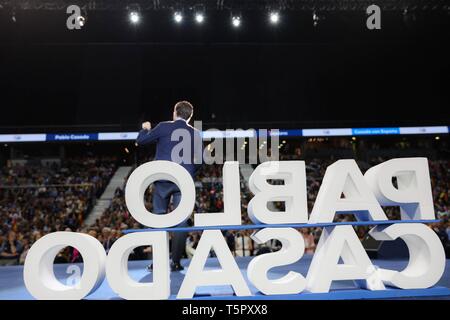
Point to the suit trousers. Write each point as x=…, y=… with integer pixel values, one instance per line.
x=163, y=191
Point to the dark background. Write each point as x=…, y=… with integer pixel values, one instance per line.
x=112, y=75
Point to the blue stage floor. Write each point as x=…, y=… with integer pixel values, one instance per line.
x=12, y=286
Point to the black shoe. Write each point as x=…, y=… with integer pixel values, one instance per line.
x=150, y=267
x=176, y=267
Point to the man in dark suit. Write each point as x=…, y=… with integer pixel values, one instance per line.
x=163, y=135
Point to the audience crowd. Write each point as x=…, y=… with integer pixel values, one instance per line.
x=38, y=199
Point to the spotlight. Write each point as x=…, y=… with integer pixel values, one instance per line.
x=134, y=17
x=81, y=20
x=236, y=21
x=274, y=17
x=316, y=19
x=178, y=17
x=199, y=17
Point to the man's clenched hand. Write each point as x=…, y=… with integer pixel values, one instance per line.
x=146, y=126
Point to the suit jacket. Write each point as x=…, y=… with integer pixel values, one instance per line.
x=162, y=136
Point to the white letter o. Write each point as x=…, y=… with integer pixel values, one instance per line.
x=150, y=172
x=38, y=272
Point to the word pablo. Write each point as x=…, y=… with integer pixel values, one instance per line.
x=363, y=196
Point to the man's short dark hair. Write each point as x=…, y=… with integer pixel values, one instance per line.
x=184, y=109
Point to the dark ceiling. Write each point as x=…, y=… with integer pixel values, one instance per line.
x=112, y=75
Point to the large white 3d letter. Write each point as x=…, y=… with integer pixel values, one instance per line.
x=344, y=177
x=231, y=214
x=38, y=272
x=293, y=247
x=292, y=192
x=150, y=172
x=117, y=266
x=413, y=193
x=340, y=242
x=228, y=275
x=426, y=255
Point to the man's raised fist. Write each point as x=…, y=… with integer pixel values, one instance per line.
x=146, y=126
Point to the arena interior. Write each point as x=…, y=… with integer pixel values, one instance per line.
x=72, y=102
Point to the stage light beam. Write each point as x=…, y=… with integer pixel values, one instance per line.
x=274, y=17
x=315, y=19
x=178, y=17
x=134, y=17
x=199, y=17
x=81, y=20
x=236, y=21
